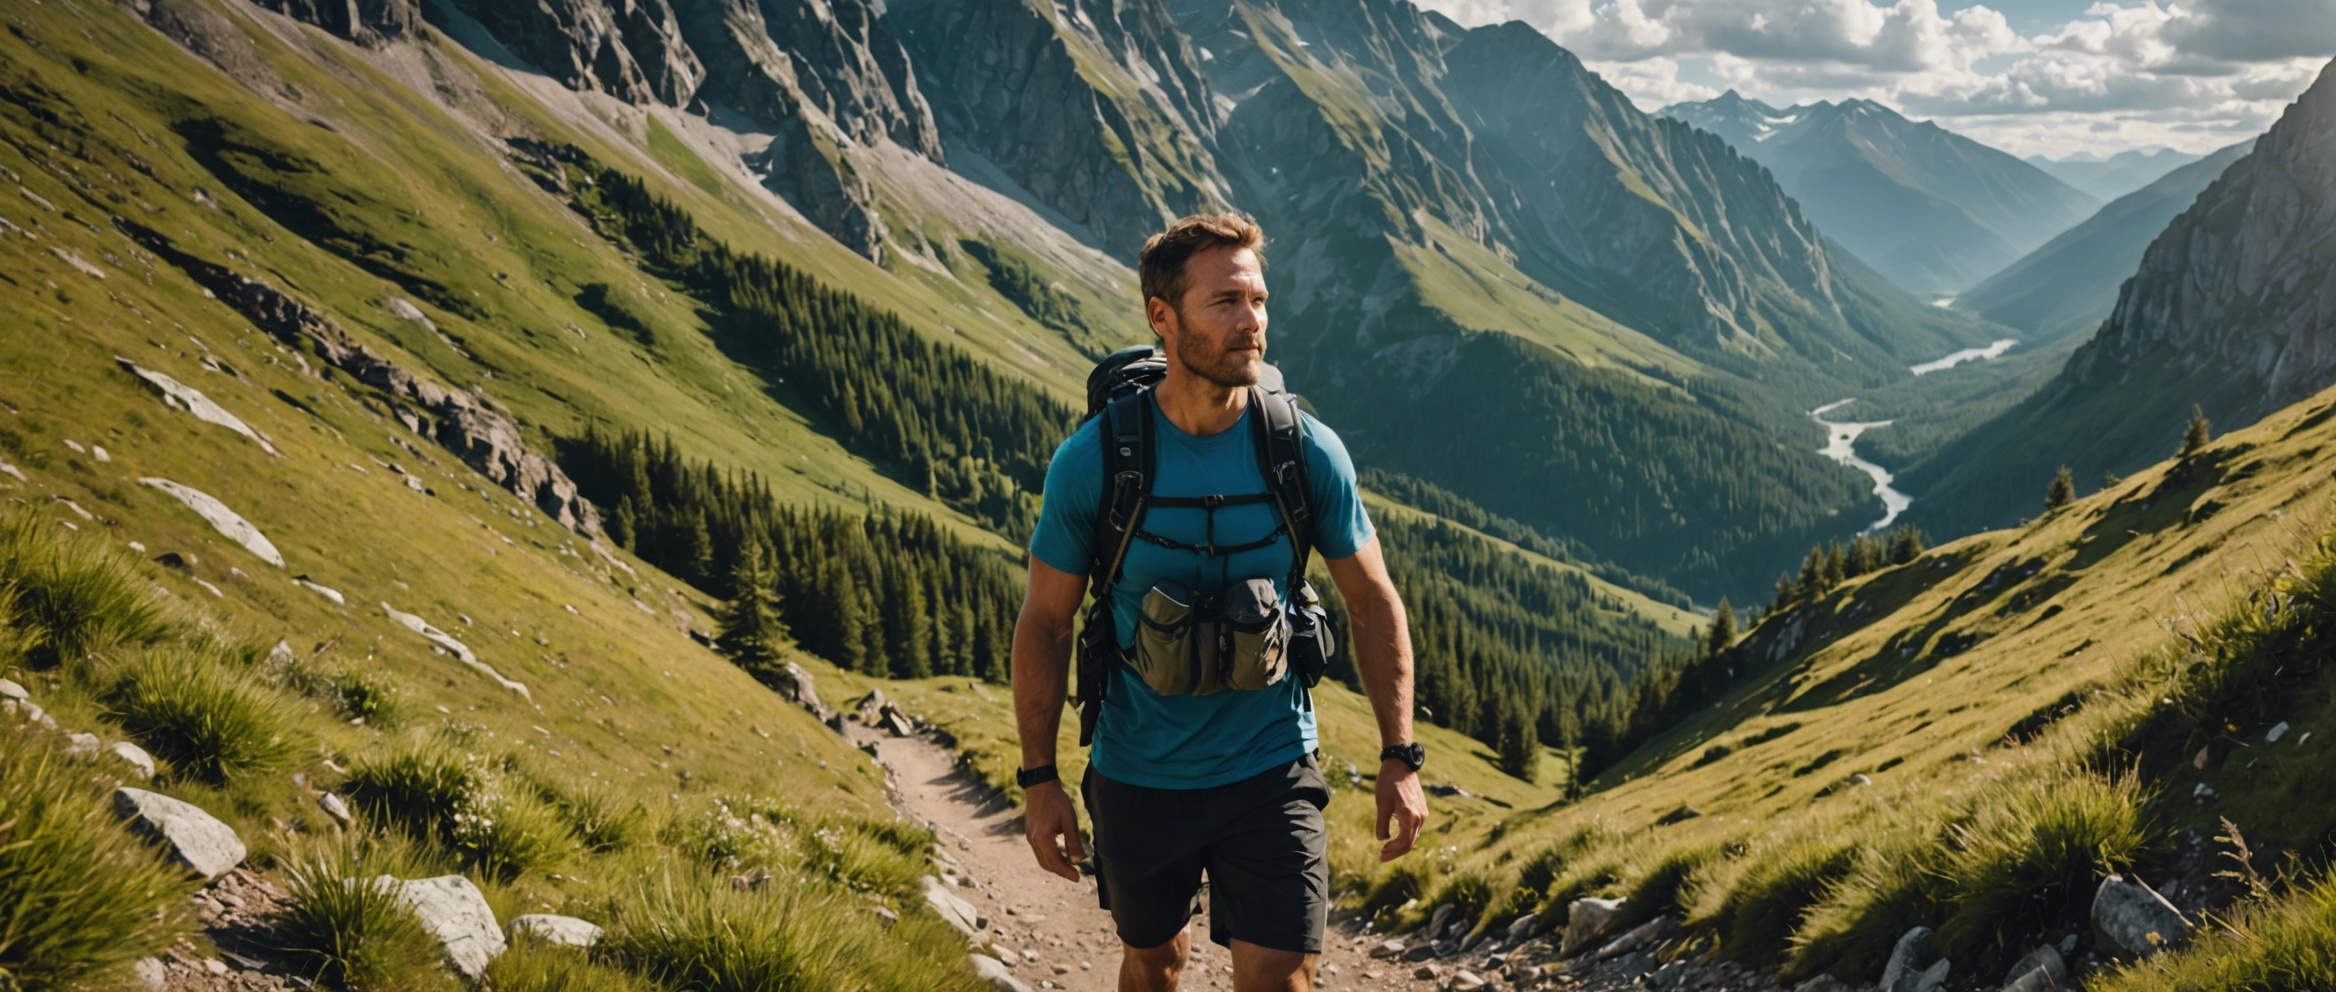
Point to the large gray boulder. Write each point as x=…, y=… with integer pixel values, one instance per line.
x=456, y=912
x=2134, y=921
x=1585, y=920
x=194, y=838
x=227, y=522
x=566, y=931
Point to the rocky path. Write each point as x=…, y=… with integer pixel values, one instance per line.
x=1055, y=937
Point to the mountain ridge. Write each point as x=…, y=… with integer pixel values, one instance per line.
x=1930, y=209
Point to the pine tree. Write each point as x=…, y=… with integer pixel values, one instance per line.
x=2062, y=492
x=752, y=630
x=1906, y=545
x=1518, y=746
x=2199, y=433
x=1723, y=629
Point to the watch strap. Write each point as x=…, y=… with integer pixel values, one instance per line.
x=1035, y=776
x=1412, y=754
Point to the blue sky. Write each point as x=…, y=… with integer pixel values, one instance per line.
x=2050, y=77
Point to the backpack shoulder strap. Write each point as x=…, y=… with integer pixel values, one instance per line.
x=1125, y=432
x=1281, y=457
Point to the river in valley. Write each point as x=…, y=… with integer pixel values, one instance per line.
x=1841, y=435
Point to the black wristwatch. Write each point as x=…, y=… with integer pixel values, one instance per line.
x=1411, y=754
x=1034, y=776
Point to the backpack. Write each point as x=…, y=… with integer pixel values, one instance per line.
x=1119, y=395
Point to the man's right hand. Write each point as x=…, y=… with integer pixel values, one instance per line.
x=1046, y=816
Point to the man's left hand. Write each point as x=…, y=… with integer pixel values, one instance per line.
x=1400, y=801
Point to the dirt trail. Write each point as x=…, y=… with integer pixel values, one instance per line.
x=1054, y=927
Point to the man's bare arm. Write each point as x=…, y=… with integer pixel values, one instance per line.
x=1041, y=673
x=1381, y=637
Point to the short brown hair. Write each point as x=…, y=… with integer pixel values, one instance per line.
x=1160, y=266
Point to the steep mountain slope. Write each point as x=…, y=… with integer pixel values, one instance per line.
x=2230, y=311
x=1930, y=209
x=2119, y=174
x=1126, y=142
x=2070, y=285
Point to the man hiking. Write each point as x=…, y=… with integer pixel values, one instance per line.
x=1191, y=505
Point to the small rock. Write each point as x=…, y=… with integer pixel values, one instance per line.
x=1425, y=973
x=951, y=907
x=2133, y=920
x=221, y=519
x=141, y=763
x=1585, y=920
x=149, y=974
x=1442, y=917
x=1906, y=959
x=1824, y=983
x=993, y=972
x=2041, y=971
x=1387, y=949
x=566, y=931
x=82, y=745
x=10, y=690
x=1522, y=927
x=2276, y=732
x=1681, y=815
x=456, y=912
x=1644, y=933
x=886, y=914
x=1930, y=979
x=336, y=808
x=197, y=839
x=1466, y=981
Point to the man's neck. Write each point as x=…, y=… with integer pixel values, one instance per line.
x=1197, y=406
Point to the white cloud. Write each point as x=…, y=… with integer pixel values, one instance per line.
x=2194, y=74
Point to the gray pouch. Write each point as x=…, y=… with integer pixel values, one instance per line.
x=1170, y=641
x=1253, y=636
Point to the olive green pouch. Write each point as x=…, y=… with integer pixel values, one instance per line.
x=1253, y=636
x=1169, y=640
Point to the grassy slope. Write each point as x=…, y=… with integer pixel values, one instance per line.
x=1914, y=677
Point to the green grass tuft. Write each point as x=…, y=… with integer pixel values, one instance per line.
x=416, y=786
x=207, y=719
x=531, y=965
x=1771, y=891
x=81, y=896
x=344, y=931
x=506, y=833
x=1892, y=887
x=1661, y=887
x=74, y=595
x=694, y=933
x=2031, y=856
x=603, y=819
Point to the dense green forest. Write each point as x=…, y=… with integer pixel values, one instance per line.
x=1427, y=496
x=1683, y=483
x=934, y=416
x=886, y=593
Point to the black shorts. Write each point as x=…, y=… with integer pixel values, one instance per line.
x=1260, y=840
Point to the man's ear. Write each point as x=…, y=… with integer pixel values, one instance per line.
x=1162, y=317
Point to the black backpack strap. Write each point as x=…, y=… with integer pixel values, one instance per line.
x=1281, y=457
x=1125, y=431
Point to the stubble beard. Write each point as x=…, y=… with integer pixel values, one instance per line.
x=1224, y=369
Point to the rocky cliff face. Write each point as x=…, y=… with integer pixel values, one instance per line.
x=2237, y=286
x=1096, y=107
x=367, y=22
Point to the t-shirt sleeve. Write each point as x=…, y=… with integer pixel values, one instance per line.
x=1065, y=535
x=1341, y=527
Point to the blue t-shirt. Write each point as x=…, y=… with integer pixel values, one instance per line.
x=1196, y=742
